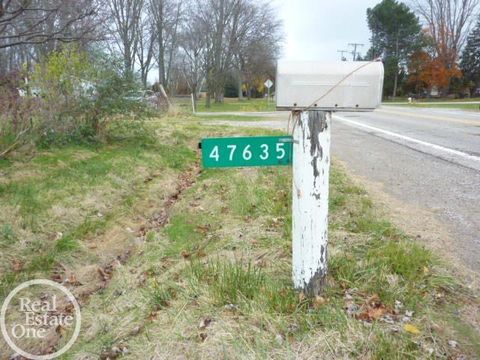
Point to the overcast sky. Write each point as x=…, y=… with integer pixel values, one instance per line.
x=316, y=29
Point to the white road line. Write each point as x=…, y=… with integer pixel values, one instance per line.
x=410, y=139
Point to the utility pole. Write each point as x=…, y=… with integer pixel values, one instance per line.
x=343, y=52
x=354, y=52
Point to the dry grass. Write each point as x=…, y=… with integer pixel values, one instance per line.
x=215, y=281
x=192, y=299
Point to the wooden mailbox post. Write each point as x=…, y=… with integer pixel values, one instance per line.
x=312, y=91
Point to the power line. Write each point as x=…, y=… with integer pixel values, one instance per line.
x=343, y=52
x=354, y=52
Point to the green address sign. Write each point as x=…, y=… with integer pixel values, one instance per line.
x=247, y=151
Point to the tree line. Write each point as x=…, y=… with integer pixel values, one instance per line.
x=429, y=47
x=191, y=44
x=76, y=71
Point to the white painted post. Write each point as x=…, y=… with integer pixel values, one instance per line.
x=311, y=170
x=193, y=103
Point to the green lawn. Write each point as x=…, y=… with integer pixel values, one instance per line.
x=233, y=105
x=468, y=107
x=198, y=262
x=433, y=100
x=434, y=103
x=207, y=117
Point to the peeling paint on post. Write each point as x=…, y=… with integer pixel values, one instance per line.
x=311, y=171
x=323, y=87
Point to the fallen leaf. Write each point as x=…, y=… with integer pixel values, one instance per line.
x=374, y=301
x=372, y=314
x=104, y=274
x=231, y=307
x=57, y=278
x=261, y=263
x=373, y=309
x=453, y=344
x=60, y=330
x=204, y=323
x=412, y=329
x=203, y=229
x=17, y=265
x=111, y=354
x=123, y=258
x=135, y=331
x=398, y=305
x=72, y=279
x=153, y=315
x=69, y=308
x=201, y=253
x=319, y=302
x=351, y=309
x=388, y=319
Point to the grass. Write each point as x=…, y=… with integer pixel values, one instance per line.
x=7, y=235
x=68, y=195
x=460, y=104
x=236, y=105
x=215, y=282
x=433, y=100
x=230, y=282
x=469, y=107
x=228, y=117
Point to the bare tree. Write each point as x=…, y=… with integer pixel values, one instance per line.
x=125, y=27
x=31, y=28
x=259, y=47
x=192, y=54
x=220, y=20
x=166, y=17
x=448, y=22
x=231, y=27
x=146, y=44
x=30, y=22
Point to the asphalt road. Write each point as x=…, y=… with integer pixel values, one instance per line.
x=423, y=158
x=426, y=158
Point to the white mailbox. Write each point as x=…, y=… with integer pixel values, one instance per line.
x=340, y=86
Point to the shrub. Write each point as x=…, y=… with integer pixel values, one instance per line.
x=16, y=112
x=82, y=96
x=71, y=97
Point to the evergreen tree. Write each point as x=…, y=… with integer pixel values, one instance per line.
x=470, y=63
x=396, y=33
